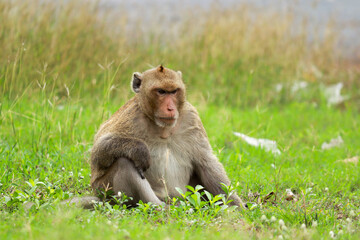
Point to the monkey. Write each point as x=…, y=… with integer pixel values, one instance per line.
x=156, y=143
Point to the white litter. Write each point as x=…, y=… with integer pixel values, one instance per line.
x=333, y=94
x=289, y=195
x=314, y=70
x=298, y=86
x=268, y=145
x=335, y=142
x=354, y=160
x=278, y=87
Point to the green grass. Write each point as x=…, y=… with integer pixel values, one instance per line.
x=62, y=158
x=73, y=72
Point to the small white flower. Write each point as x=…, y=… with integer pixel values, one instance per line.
x=314, y=224
x=192, y=221
x=332, y=234
x=303, y=226
x=119, y=194
x=125, y=232
x=280, y=237
x=352, y=213
x=348, y=220
x=326, y=189
x=273, y=166
x=284, y=228
x=273, y=219
x=281, y=222
x=71, y=173
x=81, y=177
x=63, y=168
x=263, y=218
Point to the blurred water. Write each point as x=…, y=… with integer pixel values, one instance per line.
x=167, y=14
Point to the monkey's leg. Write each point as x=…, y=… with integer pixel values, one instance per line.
x=211, y=173
x=126, y=179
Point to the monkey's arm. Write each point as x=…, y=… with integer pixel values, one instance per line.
x=111, y=147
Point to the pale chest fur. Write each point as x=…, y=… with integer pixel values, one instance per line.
x=170, y=167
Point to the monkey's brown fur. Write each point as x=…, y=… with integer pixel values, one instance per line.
x=145, y=156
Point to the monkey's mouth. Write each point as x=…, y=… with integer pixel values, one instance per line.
x=167, y=119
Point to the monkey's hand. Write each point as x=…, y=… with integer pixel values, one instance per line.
x=141, y=173
x=112, y=146
x=141, y=159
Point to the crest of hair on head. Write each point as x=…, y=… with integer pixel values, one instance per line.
x=161, y=68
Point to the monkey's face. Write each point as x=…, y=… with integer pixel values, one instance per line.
x=161, y=94
x=167, y=106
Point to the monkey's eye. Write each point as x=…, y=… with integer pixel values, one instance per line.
x=161, y=91
x=173, y=92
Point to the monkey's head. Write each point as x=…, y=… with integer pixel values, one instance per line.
x=161, y=94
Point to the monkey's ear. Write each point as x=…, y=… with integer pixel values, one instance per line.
x=136, y=82
x=180, y=74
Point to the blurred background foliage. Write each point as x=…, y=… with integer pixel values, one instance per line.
x=234, y=56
